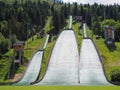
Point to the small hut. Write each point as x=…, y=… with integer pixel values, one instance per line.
x=77, y=18
x=18, y=52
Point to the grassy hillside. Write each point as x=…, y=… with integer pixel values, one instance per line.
x=111, y=59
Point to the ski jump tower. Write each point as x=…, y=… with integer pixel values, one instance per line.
x=109, y=35
x=18, y=52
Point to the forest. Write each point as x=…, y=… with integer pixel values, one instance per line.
x=19, y=20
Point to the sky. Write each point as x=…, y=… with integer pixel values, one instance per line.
x=105, y=2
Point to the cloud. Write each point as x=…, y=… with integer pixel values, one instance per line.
x=93, y=1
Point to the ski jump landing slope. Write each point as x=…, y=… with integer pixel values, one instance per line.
x=64, y=61
x=91, y=71
x=34, y=67
x=33, y=70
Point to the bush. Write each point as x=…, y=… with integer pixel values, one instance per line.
x=115, y=76
x=5, y=45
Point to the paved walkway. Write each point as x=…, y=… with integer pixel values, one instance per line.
x=91, y=71
x=64, y=61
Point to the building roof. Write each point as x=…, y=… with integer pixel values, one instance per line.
x=20, y=43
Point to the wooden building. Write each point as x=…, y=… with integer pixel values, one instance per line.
x=109, y=35
x=18, y=52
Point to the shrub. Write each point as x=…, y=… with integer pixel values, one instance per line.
x=115, y=76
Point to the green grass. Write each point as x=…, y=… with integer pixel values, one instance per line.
x=67, y=25
x=111, y=59
x=89, y=32
x=78, y=34
x=60, y=88
x=33, y=46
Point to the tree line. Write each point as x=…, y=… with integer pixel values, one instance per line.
x=29, y=17
x=18, y=19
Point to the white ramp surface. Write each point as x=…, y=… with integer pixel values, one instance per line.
x=33, y=70
x=91, y=71
x=64, y=62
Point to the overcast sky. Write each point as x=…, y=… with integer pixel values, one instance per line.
x=93, y=1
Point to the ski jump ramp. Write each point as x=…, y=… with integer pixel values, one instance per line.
x=34, y=67
x=63, y=65
x=67, y=68
x=91, y=69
